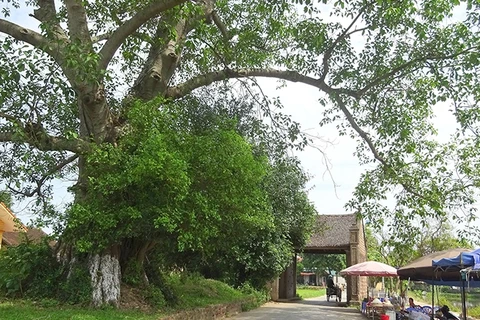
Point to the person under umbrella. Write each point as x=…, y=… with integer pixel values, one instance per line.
x=444, y=314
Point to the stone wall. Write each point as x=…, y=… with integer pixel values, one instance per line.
x=357, y=286
x=218, y=311
x=362, y=255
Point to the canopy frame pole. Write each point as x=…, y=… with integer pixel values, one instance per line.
x=432, y=316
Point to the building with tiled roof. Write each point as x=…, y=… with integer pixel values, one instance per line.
x=332, y=233
x=13, y=232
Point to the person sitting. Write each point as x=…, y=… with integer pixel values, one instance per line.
x=446, y=315
x=412, y=304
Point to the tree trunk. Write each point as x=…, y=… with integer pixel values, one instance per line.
x=106, y=277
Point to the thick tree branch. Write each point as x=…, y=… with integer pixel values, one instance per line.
x=7, y=136
x=130, y=26
x=29, y=36
x=45, y=142
x=101, y=37
x=47, y=14
x=209, y=78
x=34, y=134
x=220, y=25
x=163, y=58
x=77, y=22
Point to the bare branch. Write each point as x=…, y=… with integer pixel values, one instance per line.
x=408, y=64
x=343, y=35
x=6, y=136
x=42, y=180
x=130, y=26
x=101, y=37
x=11, y=119
x=371, y=145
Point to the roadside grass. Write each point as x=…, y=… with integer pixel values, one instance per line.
x=306, y=292
x=28, y=310
x=192, y=292
x=444, y=298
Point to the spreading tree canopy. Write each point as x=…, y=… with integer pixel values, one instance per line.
x=81, y=90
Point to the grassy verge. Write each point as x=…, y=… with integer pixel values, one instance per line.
x=310, y=292
x=191, y=293
x=27, y=310
x=446, y=299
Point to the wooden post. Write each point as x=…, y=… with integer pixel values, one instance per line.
x=1, y=233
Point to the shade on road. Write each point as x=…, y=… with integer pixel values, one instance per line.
x=309, y=309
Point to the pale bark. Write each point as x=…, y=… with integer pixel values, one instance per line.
x=209, y=78
x=162, y=61
x=77, y=21
x=47, y=14
x=48, y=143
x=94, y=113
x=105, y=275
x=130, y=26
x=31, y=37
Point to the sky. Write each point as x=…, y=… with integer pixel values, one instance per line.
x=329, y=189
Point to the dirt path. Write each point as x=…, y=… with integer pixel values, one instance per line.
x=309, y=309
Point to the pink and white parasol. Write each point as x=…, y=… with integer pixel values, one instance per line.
x=370, y=268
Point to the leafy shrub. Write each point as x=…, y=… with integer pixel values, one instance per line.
x=29, y=270
x=32, y=270
x=163, y=282
x=154, y=296
x=259, y=297
x=76, y=288
x=133, y=273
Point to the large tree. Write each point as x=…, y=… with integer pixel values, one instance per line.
x=69, y=85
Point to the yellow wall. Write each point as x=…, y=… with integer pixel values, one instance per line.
x=1, y=233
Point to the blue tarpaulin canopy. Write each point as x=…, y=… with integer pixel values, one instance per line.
x=462, y=261
x=466, y=264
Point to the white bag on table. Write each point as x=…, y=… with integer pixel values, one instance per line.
x=415, y=315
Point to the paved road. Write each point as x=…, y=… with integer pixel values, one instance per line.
x=309, y=309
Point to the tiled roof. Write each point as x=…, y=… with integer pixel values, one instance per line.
x=332, y=231
x=16, y=230
x=15, y=238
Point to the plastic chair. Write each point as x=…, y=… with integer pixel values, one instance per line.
x=427, y=310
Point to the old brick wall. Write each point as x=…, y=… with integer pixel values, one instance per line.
x=218, y=311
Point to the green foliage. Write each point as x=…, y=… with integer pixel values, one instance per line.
x=259, y=296
x=192, y=290
x=154, y=296
x=6, y=198
x=13, y=310
x=162, y=180
x=133, y=273
x=324, y=264
x=29, y=270
x=76, y=287
x=69, y=109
